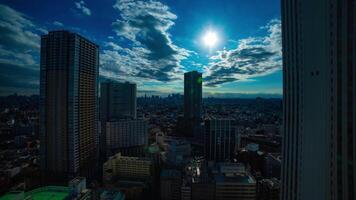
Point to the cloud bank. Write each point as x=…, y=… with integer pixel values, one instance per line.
x=19, y=52
x=253, y=57
x=82, y=8
x=145, y=48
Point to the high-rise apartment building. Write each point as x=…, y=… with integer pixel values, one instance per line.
x=192, y=101
x=319, y=143
x=117, y=101
x=125, y=135
x=220, y=139
x=68, y=103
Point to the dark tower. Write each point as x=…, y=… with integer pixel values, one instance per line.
x=68, y=104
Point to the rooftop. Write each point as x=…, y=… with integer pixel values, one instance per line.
x=42, y=193
x=170, y=173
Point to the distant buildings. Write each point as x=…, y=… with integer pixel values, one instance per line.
x=127, y=136
x=220, y=139
x=319, y=93
x=177, y=152
x=68, y=103
x=192, y=102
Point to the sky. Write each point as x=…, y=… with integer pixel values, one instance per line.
x=152, y=43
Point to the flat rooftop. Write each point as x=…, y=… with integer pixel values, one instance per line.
x=42, y=193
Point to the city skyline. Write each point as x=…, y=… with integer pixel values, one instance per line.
x=246, y=49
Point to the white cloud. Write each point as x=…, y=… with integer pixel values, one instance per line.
x=151, y=53
x=20, y=39
x=81, y=6
x=57, y=23
x=19, y=52
x=253, y=57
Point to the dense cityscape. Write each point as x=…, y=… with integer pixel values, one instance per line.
x=161, y=146
x=86, y=136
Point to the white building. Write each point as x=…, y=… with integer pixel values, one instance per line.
x=126, y=133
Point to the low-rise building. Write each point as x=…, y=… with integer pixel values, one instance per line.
x=127, y=167
x=232, y=181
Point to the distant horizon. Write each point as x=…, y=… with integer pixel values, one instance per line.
x=142, y=93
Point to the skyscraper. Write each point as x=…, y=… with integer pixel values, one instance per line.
x=220, y=139
x=68, y=103
x=192, y=101
x=117, y=101
x=319, y=143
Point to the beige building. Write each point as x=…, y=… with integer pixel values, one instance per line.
x=127, y=167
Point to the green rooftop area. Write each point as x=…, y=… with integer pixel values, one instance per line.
x=42, y=193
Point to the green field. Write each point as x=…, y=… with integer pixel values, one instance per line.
x=48, y=195
x=44, y=193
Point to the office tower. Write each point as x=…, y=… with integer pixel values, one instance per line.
x=128, y=167
x=68, y=103
x=220, y=139
x=127, y=136
x=319, y=143
x=192, y=101
x=233, y=182
x=117, y=101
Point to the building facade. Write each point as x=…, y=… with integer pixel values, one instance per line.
x=68, y=103
x=234, y=182
x=319, y=73
x=220, y=139
x=128, y=167
x=126, y=133
x=192, y=101
x=117, y=101
x=171, y=182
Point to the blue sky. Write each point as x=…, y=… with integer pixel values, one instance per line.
x=152, y=42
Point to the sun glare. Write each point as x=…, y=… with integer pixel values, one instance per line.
x=210, y=39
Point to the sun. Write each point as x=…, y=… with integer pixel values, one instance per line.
x=210, y=39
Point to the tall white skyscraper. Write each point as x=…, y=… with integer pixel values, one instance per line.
x=319, y=144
